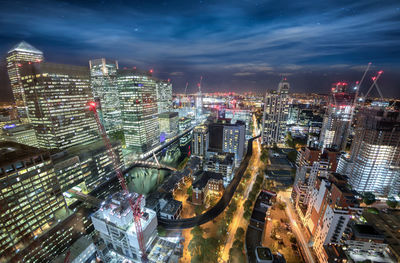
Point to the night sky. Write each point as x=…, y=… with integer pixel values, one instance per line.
x=245, y=45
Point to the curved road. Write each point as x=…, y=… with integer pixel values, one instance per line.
x=222, y=203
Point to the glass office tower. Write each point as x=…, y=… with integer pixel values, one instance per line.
x=57, y=97
x=19, y=54
x=137, y=95
x=30, y=197
x=103, y=76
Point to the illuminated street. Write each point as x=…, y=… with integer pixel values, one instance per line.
x=285, y=197
x=238, y=219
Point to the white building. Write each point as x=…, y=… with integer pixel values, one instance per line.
x=276, y=110
x=374, y=161
x=115, y=224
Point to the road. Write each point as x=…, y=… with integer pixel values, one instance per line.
x=222, y=203
x=285, y=197
x=238, y=219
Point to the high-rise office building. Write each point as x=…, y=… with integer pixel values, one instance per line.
x=374, y=161
x=138, y=98
x=23, y=134
x=103, y=76
x=19, y=54
x=30, y=197
x=164, y=95
x=168, y=124
x=84, y=168
x=57, y=97
x=116, y=226
x=276, y=110
x=226, y=137
x=200, y=140
x=336, y=124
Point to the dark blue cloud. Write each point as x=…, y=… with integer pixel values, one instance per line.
x=241, y=43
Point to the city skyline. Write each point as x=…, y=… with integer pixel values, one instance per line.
x=323, y=43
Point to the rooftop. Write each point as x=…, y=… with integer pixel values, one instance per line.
x=11, y=152
x=169, y=114
x=203, y=177
x=366, y=231
x=25, y=47
x=171, y=207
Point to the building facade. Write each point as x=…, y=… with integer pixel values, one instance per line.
x=57, y=97
x=337, y=120
x=200, y=140
x=115, y=224
x=30, y=197
x=374, y=161
x=168, y=123
x=275, y=116
x=164, y=95
x=138, y=98
x=19, y=54
x=23, y=134
x=103, y=79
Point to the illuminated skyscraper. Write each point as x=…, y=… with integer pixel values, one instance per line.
x=276, y=111
x=200, y=140
x=30, y=198
x=137, y=95
x=164, y=96
x=57, y=97
x=374, y=161
x=336, y=124
x=103, y=76
x=19, y=54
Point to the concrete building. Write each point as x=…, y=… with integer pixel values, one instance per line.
x=103, y=79
x=115, y=224
x=138, y=98
x=171, y=210
x=223, y=163
x=311, y=163
x=164, y=96
x=200, y=141
x=240, y=115
x=168, y=123
x=276, y=111
x=23, y=134
x=206, y=183
x=30, y=199
x=374, y=161
x=331, y=207
x=19, y=54
x=57, y=97
x=336, y=125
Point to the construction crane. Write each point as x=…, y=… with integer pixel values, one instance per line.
x=135, y=205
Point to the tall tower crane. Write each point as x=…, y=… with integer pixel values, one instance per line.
x=135, y=205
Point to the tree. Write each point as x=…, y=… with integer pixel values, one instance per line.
x=282, y=206
x=239, y=233
x=236, y=255
x=247, y=215
x=264, y=155
x=162, y=232
x=209, y=249
x=248, y=204
x=190, y=191
x=369, y=198
x=292, y=155
x=391, y=202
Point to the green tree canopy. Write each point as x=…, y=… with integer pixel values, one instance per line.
x=369, y=198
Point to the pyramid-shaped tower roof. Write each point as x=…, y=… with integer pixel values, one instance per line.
x=25, y=47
